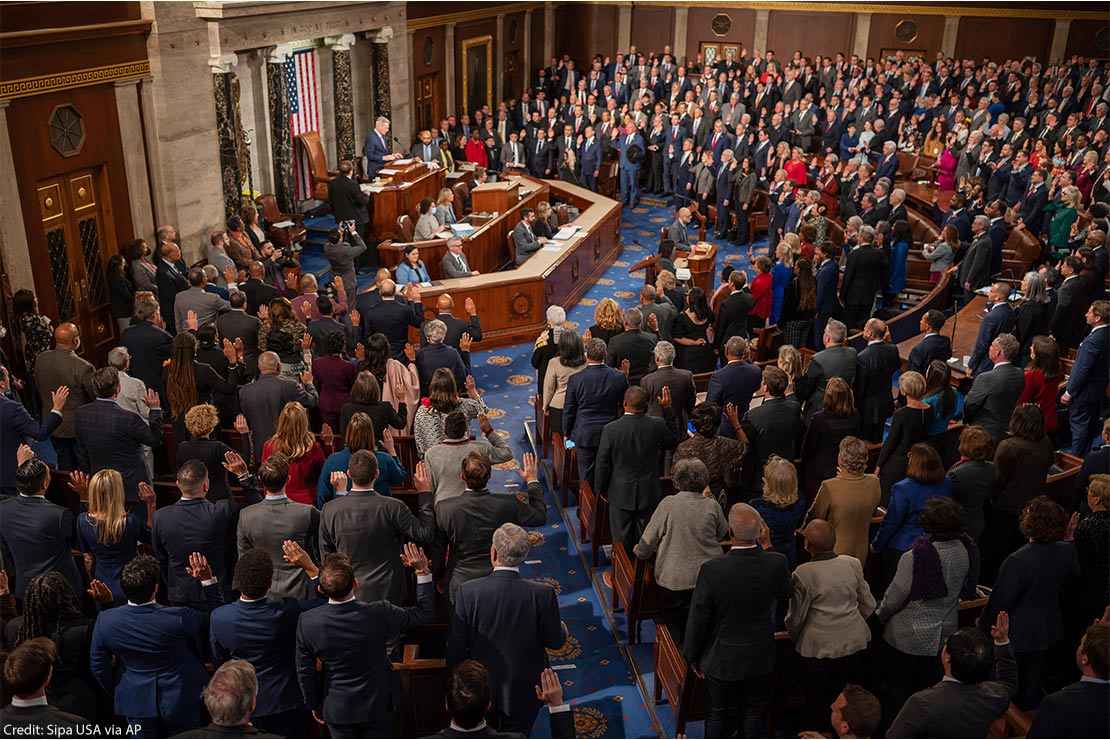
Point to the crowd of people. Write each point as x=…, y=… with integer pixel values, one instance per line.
x=281, y=555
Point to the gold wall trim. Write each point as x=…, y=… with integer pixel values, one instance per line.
x=26, y=86
x=895, y=8
x=486, y=41
x=416, y=24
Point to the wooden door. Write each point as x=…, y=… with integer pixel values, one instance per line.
x=74, y=211
x=427, y=116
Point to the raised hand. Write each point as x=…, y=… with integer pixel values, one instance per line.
x=79, y=482
x=732, y=413
x=306, y=377
x=464, y=342
x=294, y=554
x=355, y=317
x=241, y=424
x=100, y=592
x=665, y=397
x=4, y=589
x=152, y=399
x=263, y=312
x=410, y=352
x=23, y=454
x=146, y=493
x=414, y=557
x=306, y=340
x=231, y=275
x=191, y=321
x=229, y=352
x=198, y=567
x=58, y=398
x=626, y=366
x=470, y=308
x=1000, y=631
x=483, y=424
x=327, y=434
x=339, y=480
x=235, y=464
x=528, y=467
x=422, y=477
x=653, y=322
x=471, y=386
x=240, y=349
x=550, y=690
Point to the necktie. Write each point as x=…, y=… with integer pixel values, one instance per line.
x=539, y=146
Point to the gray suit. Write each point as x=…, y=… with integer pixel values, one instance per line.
x=507, y=155
x=444, y=461
x=207, y=306
x=342, y=256
x=526, y=242
x=665, y=314
x=262, y=401
x=683, y=393
x=976, y=265
x=678, y=233
x=451, y=267
x=270, y=522
x=834, y=362
x=370, y=529
x=992, y=399
x=428, y=153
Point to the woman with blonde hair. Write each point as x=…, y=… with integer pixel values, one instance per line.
x=359, y=436
x=608, y=322
x=908, y=426
x=444, y=211
x=1061, y=213
x=107, y=533
x=790, y=362
x=293, y=439
x=780, y=506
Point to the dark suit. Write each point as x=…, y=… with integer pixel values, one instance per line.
x=683, y=394
x=838, y=361
x=992, y=399
x=238, y=324
x=730, y=636
x=322, y=328
x=736, y=382
x=456, y=328
x=931, y=347
x=18, y=427
x=350, y=639
x=864, y=276
x=732, y=319
x=467, y=524
x=629, y=465
x=828, y=302
x=876, y=366
x=110, y=437
x=37, y=537
x=220, y=731
x=1068, y=324
x=161, y=671
x=955, y=709
x=593, y=399
x=562, y=725
x=371, y=529
x=1076, y=711
x=393, y=319
x=997, y=321
x=149, y=347
x=258, y=294
x=375, y=147
x=773, y=428
x=638, y=347
x=1090, y=374
x=170, y=280
x=489, y=609
x=33, y=720
x=432, y=357
x=975, y=268
x=348, y=202
x=262, y=402
x=194, y=525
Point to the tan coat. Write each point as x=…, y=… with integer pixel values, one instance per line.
x=829, y=607
x=847, y=503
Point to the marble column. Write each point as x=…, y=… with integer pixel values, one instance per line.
x=951, y=31
x=399, y=61
x=13, y=232
x=862, y=35
x=379, y=58
x=499, y=59
x=159, y=194
x=129, y=112
x=624, y=25
x=449, y=68
x=281, y=138
x=548, y=31
x=681, y=22
x=759, y=31
x=343, y=95
x=225, y=91
x=253, y=119
x=1060, y=40
x=527, y=50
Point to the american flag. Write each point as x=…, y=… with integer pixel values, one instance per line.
x=304, y=113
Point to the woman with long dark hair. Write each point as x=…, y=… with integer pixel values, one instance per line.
x=443, y=398
x=946, y=402
x=836, y=419
x=692, y=335
x=799, y=305
x=284, y=335
x=189, y=382
x=570, y=360
x=359, y=435
x=121, y=294
x=399, y=382
x=140, y=265
x=1043, y=377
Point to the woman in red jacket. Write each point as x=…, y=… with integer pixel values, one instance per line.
x=1042, y=380
x=476, y=150
x=796, y=169
x=298, y=444
x=761, y=292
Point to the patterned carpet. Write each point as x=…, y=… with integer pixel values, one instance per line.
x=608, y=682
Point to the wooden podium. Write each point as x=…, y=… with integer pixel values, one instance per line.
x=495, y=196
x=702, y=262
x=401, y=188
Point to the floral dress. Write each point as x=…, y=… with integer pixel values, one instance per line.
x=38, y=335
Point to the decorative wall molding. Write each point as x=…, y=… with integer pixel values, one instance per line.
x=26, y=86
x=993, y=11
x=415, y=24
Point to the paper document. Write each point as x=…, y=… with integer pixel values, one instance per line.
x=282, y=224
x=566, y=232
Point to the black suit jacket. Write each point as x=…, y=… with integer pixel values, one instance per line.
x=38, y=718
x=834, y=362
x=730, y=632
x=149, y=347
x=1029, y=588
x=876, y=366
x=864, y=276
x=38, y=537
x=238, y=324
x=393, y=319
x=629, y=459
x=350, y=640
x=773, y=428
x=258, y=294
x=932, y=347
x=456, y=328
x=110, y=437
x=1068, y=325
x=732, y=318
x=1077, y=710
x=998, y=320
x=348, y=202
x=169, y=282
x=489, y=609
x=683, y=394
x=638, y=347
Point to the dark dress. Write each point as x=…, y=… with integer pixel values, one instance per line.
x=110, y=559
x=72, y=688
x=695, y=358
x=210, y=452
x=973, y=485
x=797, y=325
x=782, y=521
x=821, y=448
x=908, y=426
x=1023, y=466
x=381, y=413
x=607, y=334
x=121, y=296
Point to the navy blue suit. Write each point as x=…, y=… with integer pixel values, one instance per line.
x=149, y=347
x=38, y=537
x=589, y=158
x=159, y=650
x=997, y=320
x=1087, y=386
x=376, y=147
x=434, y=356
x=18, y=427
x=630, y=171
x=673, y=136
x=111, y=437
x=1032, y=209
x=1018, y=184
x=962, y=221
x=887, y=167
x=932, y=347
x=593, y=399
x=828, y=299
x=735, y=383
x=262, y=633
x=393, y=319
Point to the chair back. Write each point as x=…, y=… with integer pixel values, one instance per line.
x=462, y=192
x=404, y=225
x=511, y=243
x=318, y=163
x=269, y=205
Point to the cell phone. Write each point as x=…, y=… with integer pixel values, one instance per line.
x=569, y=444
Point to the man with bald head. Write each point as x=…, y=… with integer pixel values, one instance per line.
x=678, y=232
x=629, y=463
x=394, y=315
x=62, y=366
x=827, y=619
x=730, y=634
x=263, y=399
x=256, y=289
x=457, y=328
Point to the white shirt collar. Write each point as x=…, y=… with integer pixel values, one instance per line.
x=515, y=569
x=1083, y=679
x=1000, y=364
x=38, y=701
x=276, y=496
x=743, y=547
x=480, y=726
x=347, y=600
x=245, y=600
x=145, y=603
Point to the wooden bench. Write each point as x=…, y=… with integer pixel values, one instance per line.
x=593, y=519
x=676, y=681
x=634, y=589
x=423, y=685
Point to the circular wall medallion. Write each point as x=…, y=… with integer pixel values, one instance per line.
x=429, y=51
x=906, y=31
x=721, y=24
x=67, y=130
x=521, y=304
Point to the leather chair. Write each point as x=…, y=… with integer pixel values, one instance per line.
x=318, y=164
x=405, y=226
x=282, y=236
x=462, y=195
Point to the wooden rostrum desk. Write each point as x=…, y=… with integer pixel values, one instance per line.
x=409, y=184
x=512, y=303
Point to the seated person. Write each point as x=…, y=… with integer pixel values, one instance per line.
x=412, y=268
x=427, y=224
x=524, y=236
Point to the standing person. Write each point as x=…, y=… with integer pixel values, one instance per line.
x=999, y=318
x=1089, y=377
x=827, y=299
x=59, y=367
x=735, y=383
x=343, y=247
x=908, y=426
x=837, y=360
x=263, y=399
x=837, y=420
x=1079, y=709
x=305, y=456
x=570, y=361
x=28, y=670
x=878, y=363
x=1043, y=379
x=780, y=506
x=624, y=472
x=350, y=638
x=799, y=305
x=974, y=478
x=592, y=399
x=18, y=426
x=994, y=393
x=350, y=206
x=489, y=608
x=693, y=333
x=108, y=533
x=864, y=276
x=847, y=502
x=730, y=639
x=631, y=147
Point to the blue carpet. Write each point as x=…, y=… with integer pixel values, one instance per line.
x=608, y=682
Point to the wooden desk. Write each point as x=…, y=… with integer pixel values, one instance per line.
x=495, y=196
x=388, y=202
x=920, y=195
x=703, y=268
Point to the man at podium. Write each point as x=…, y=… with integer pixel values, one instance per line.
x=378, y=147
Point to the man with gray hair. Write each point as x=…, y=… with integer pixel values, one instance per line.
x=975, y=269
x=377, y=148
x=995, y=393
x=663, y=311
x=633, y=347
x=837, y=360
x=865, y=274
x=729, y=639
x=436, y=354
x=147, y=343
x=132, y=396
x=547, y=343
x=680, y=382
x=230, y=699
x=507, y=623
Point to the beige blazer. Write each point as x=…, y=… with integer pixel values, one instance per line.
x=829, y=606
x=847, y=503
